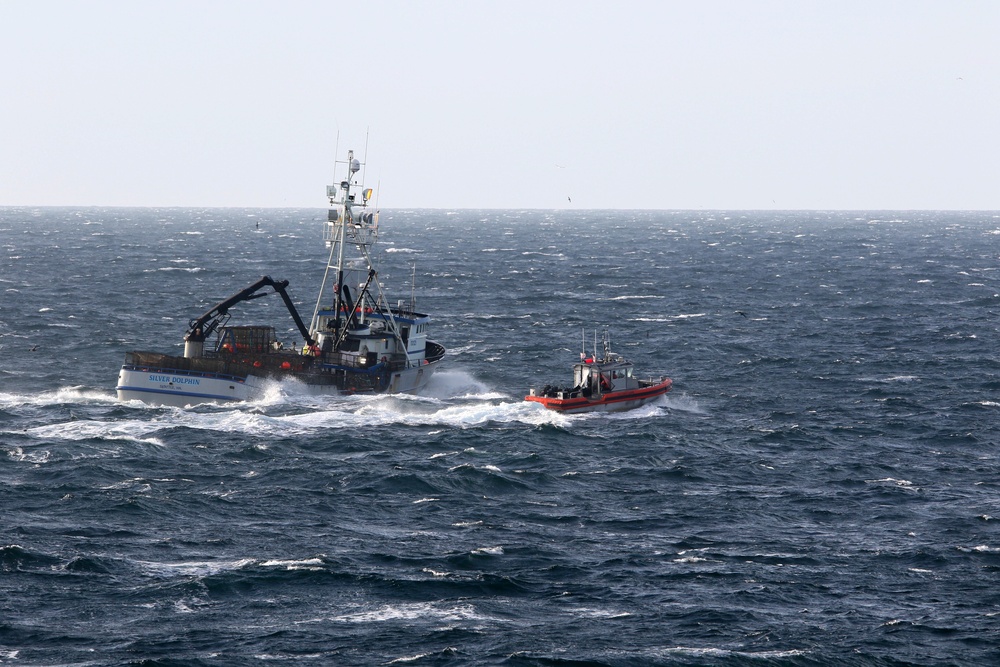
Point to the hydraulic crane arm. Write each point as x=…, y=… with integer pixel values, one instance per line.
x=201, y=328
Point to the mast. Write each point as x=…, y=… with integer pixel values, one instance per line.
x=352, y=168
x=338, y=218
x=349, y=220
x=413, y=287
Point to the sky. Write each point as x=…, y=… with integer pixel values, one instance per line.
x=550, y=104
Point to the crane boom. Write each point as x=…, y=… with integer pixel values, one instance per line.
x=199, y=329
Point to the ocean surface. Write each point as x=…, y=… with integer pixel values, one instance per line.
x=821, y=487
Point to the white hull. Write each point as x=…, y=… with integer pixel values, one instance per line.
x=183, y=389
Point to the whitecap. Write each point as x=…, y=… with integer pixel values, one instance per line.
x=410, y=658
x=181, y=607
x=417, y=611
x=891, y=481
x=192, y=568
x=588, y=612
x=893, y=378
x=434, y=573
x=637, y=297
x=488, y=551
x=304, y=564
x=33, y=456
x=721, y=653
x=129, y=430
x=185, y=269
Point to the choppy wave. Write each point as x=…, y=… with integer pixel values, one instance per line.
x=824, y=466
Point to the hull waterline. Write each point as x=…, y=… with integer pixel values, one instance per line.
x=170, y=387
x=610, y=402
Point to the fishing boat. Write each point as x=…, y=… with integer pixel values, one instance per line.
x=601, y=384
x=356, y=342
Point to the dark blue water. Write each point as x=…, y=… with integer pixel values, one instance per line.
x=820, y=488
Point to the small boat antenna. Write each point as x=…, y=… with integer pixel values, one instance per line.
x=363, y=181
x=336, y=152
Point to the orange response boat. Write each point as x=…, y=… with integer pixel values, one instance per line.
x=601, y=385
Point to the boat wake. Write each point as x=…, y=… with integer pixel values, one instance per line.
x=62, y=396
x=452, y=399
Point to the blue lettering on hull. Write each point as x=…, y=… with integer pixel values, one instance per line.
x=174, y=380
